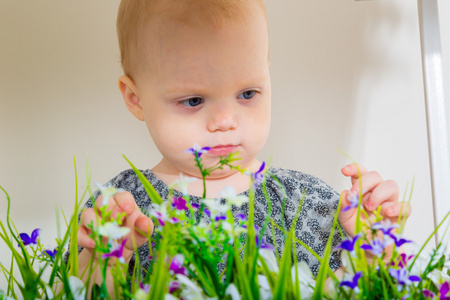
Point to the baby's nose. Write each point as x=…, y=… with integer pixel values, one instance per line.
x=222, y=118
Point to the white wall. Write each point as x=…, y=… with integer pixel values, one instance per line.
x=346, y=74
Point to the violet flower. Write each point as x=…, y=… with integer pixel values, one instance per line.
x=376, y=247
x=116, y=252
x=219, y=218
x=443, y=291
x=160, y=217
x=349, y=245
x=174, y=285
x=30, y=240
x=401, y=275
x=197, y=151
x=258, y=176
x=399, y=240
x=353, y=198
x=261, y=244
x=428, y=294
x=354, y=282
x=176, y=266
x=144, y=287
x=385, y=226
x=402, y=260
x=51, y=253
x=179, y=203
x=195, y=205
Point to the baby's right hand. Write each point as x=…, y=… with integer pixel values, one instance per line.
x=139, y=224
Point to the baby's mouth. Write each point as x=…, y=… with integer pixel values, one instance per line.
x=222, y=150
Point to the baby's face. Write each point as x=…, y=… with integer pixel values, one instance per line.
x=209, y=86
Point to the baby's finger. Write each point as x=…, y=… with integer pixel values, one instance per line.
x=385, y=192
x=402, y=209
x=369, y=181
x=351, y=170
x=83, y=238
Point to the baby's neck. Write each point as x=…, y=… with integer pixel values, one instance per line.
x=240, y=182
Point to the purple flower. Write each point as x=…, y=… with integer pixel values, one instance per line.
x=443, y=291
x=402, y=276
x=195, y=205
x=354, y=283
x=399, y=240
x=159, y=216
x=258, y=176
x=218, y=218
x=207, y=212
x=262, y=244
x=349, y=245
x=176, y=266
x=51, y=253
x=174, y=285
x=27, y=240
x=402, y=260
x=242, y=217
x=376, y=247
x=144, y=287
x=174, y=220
x=116, y=252
x=385, y=226
x=428, y=294
x=353, y=198
x=179, y=203
x=197, y=151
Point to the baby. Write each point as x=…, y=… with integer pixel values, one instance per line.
x=197, y=71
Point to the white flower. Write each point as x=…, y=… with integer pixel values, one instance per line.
x=214, y=206
x=306, y=279
x=77, y=288
x=438, y=276
x=190, y=290
x=232, y=198
x=182, y=183
x=265, y=293
x=113, y=231
x=108, y=191
x=233, y=292
x=169, y=297
x=269, y=258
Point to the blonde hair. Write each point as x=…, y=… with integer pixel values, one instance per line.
x=134, y=14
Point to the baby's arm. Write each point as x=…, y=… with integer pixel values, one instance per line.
x=134, y=219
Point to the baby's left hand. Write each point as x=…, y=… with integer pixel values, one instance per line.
x=376, y=192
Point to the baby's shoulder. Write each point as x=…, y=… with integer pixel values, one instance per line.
x=295, y=183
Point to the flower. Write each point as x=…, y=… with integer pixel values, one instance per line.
x=197, y=151
x=233, y=292
x=113, y=231
x=443, y=291
x=262, y=244
x=190, y=290
x=398, y=240
x=269, y=258
x=174, y=285
x=306, y=279
x=108, y=191
x=258, y=176
x=27, y=240
x=385, y=226
x=182, y=183
x=77, y=288
x=428, y=294
x=179, y=203
x=176, y=266
x=116, y=252
x=402, y=260
x=232, y=198
x=376, y=247
x=349, y=245
x=353, y=198
x=51, y=253
x=401, y=275
x=353, y=284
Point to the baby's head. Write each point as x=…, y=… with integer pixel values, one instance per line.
x=197, y=71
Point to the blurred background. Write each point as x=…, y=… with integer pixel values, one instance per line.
x=345, y=75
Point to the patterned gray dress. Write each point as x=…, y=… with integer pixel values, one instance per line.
x=313, y=226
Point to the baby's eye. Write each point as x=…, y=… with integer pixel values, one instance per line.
x=247, y=95
x=192, y=102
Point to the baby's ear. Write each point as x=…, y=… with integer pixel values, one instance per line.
x=130, y=96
